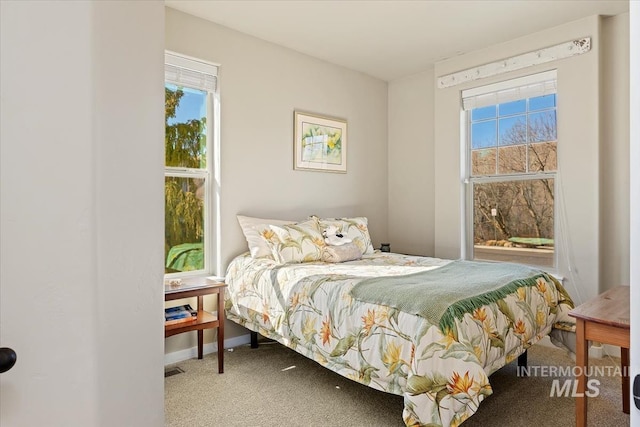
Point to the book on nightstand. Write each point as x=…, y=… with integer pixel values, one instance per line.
x=179, y=314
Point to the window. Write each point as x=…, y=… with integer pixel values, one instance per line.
x=511, y=166
x=190, y=89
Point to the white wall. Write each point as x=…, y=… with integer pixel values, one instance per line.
x=128, y=191
x=411, y=164
x=578, y=129
x=261, y=84
x=634, y=194
x=614, y=153
x=81, y=212
x=593, y=129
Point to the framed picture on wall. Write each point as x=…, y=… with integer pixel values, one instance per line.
x=320, y=143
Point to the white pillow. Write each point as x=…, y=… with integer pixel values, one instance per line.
x=257, y=245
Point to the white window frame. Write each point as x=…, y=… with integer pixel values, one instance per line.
x=497, y=93
x=186, y=71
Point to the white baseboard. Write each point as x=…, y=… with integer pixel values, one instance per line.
x=611, y=350
x=191, y=353
x=596, y=351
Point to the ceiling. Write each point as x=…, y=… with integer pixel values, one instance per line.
x=393, y=39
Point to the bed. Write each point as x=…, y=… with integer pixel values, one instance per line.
x=359, y=318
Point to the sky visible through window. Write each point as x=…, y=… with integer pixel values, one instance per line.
x=497, y=124
x=192, y=105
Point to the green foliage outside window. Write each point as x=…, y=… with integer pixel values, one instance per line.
x=185, y=147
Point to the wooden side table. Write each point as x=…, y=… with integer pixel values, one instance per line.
x=605, y=319
x=199, y=287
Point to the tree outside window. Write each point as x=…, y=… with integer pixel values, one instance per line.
x=512, y=167
x=186, y=176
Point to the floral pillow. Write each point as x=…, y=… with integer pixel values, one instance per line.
x=355, y=229
x=301, y=242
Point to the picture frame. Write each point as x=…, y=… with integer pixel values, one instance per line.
x=319, y=143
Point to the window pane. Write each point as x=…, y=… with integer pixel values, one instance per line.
x=541, y=102
x=512, y=159
x=515, y=107
x=483, y=113
x=542, y=126
x=513, y=130
x=185, y=127
x=483, y=134
x=184, y=224
x=543, y=157
x=483, y=162
x=514, y=221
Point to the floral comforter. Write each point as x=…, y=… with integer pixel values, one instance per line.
x=443, y=375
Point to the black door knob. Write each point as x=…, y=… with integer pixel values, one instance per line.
x=8, y=358
x=636, y=391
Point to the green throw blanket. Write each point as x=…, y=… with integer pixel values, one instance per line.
x=443, y=294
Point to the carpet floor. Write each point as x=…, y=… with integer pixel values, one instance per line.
x=273, y=386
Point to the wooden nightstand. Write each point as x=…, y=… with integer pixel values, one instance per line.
x=605, y=319
x=199, y=287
